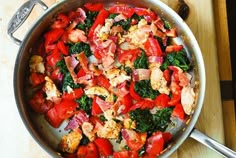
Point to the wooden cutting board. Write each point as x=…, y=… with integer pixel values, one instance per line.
x=201, y=22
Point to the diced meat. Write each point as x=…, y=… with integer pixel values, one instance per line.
x=110, y=130
x=51, y=90
x=78, y=119
x=87, y=129
x=158, y=82
x=36, y=64
x=187, y=99
x=70, y=142
x=77, y=35
x=71, y=63
x=97, y=90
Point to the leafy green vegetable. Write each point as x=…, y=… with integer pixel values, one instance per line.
x=68, y=81
x=148, y=122
x=80, y=47
x=62, y=66
x=102, y=118
x=84, y=140
x=85, y=103
x=128, y=70
x=178, y=59
x=112, y=16
x=88, y=22
x=144, y=89
x=141, y=62
x=141, y=151
x=166, y=24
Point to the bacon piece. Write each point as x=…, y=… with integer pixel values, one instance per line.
x=78, y=119
x=141, y=74
x=77, y=35
x=71, y=63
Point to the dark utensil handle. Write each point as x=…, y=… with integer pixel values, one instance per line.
x=212, y=144
x=20, y=16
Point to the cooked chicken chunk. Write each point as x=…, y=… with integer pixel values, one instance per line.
x=69, y=143
x=51, y=90
x=187, y=99
x=36, y=64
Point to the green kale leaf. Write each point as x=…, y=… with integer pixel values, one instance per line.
x=141, y=62
x=85, y=103
x=80, y=47
x=148, y=122
x=62, y=66
x=144, y=89
x=178, y=59
x=68, y=81
x=88, y=22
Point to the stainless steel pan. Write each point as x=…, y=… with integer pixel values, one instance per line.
x=49, y=137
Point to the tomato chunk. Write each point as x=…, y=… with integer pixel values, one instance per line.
x=155, y=144
x=94, y=7
x=66, y=108
x=53, y=118
x=104, y=146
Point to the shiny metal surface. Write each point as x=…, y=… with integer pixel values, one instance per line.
x=49, y=137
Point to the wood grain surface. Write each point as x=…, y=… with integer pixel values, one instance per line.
x=202, y=23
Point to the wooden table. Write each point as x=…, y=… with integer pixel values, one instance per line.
x=201, y=21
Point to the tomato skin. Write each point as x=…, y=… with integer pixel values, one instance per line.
x=173, y=48
x=66, y=108
x=167, y=75
x=127, y=102
x=52, y=36
x=39, y=104
x=56, y=75
x=62, y=47
x=122, y=9
x=155, y=143
x=53, y=58
x=143, y=104
x=103, y=81
x=174, y=99
x=178, y=111
x=36, y=78
x=125, y=154
x=145, y=12
x=152, y=47
x=77, y=93
x=162, y=100
x=133, y=94
x=167, y=137
x=104, y=146
x=135, y=145
x=88, y=151
x=81, y=72
x=102, y=15
x=95, y=107
x=61, y=22
x=81, y=152
x=52, y=117
x=125, y=55
x=94, y=7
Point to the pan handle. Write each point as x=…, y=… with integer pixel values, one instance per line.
x=212, y=144
x=20, y=16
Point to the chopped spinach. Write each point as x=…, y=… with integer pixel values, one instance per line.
x=68, y=81
x=62, y=66
x=84, y=140
x=178, y=59
x=80, y=47
x=88, y=22
x=144, y=89
x=166, y=24
x=141, y=151
x=85, y=103
x=141, y=62
x=160, y=41
x=128, y=70
x=112, y=16
x=102, y=118
x=148, y=122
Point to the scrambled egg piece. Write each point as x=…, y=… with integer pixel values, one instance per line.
x=104, y=32
x=36, y=64
x=129, y=124
x=51, y=89
x=117, y=76
x=97, y=90
x=70, y=142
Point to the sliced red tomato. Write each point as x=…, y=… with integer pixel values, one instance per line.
x=61, y=22
x=127, y=102
x=162, y=100
x=39, y=104
x=95, y=119
x=103, y=81
x=167, y=75
x=95, y=107
x=125, y=154
x=52, y=36
x=145, y=12
x=75, y=94
x=155, y=143
x=56, y=75
x=122, y=9
x=174, y=99
x=167, y=136
x=133, y=94
x=94, y=7
x=104, y=146
x=66, y=108
x=100, y=20
x=88, y=151
x=143, y=104
x=36, y=78
x=178, y=111
x=173, y=48
x=152, y=47
x=81, y=72
x=62, y=47
x=130, y=55
x=53, y=118
x=53, y=58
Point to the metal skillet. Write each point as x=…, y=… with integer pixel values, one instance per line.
x=49, y=137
